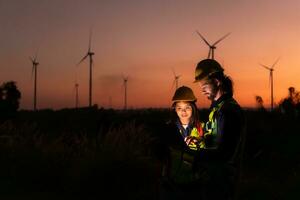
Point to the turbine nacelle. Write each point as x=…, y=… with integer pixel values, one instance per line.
x=125, y=79
x=212, y=47
x=34, y=62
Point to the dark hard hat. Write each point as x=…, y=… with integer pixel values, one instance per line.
x=184, y=94
x=205, y=68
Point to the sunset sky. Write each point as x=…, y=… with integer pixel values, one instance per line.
x=144, y=40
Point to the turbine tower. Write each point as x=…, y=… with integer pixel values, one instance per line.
x=212, y=47
x=76, y=95
x=34, y=71
x=125, y=79
x=90, y=55
x=176, y=79
x=271, y=69
x=110, y=102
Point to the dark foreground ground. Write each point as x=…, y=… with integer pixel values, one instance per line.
x=107, y=154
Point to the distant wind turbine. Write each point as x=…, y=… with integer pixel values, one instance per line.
x=34, y=71
x=212, y=47
x=110, y=102
x=125, y=79
x=271, y=69
x=76, y=95
x=90, y=55
x=176, y=79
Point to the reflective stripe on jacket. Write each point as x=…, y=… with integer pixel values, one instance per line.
x=212, y=135
x=196, y=132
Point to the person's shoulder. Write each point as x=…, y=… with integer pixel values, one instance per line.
x=231, y=103
x=231, y=107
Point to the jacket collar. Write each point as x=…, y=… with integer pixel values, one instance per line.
x=221, y=99
x=184, y=132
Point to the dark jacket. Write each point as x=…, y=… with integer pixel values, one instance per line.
x=220, y=162
x=227, y=126
x=231, y=127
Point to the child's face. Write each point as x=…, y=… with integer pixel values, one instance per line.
x=184, y=111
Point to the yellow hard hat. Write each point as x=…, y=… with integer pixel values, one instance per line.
x=205, y=68
x=184, y=94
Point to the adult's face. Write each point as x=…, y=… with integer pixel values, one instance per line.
x=209, y=88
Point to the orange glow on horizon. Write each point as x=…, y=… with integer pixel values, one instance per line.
x=145, y=40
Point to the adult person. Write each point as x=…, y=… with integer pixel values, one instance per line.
x=223, y=133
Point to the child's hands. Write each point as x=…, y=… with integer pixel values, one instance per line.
x=191, y=140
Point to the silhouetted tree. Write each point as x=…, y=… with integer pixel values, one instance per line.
x=291, y=104
x=9, y=99
x=260, y=103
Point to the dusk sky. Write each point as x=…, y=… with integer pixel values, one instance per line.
x=144, y=40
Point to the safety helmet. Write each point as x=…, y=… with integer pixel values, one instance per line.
x=205, y=68
x=184, y=94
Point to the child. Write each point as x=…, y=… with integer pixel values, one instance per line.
x=186, y=118
x=184, y=133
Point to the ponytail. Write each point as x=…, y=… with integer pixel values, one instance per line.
x=226, y=84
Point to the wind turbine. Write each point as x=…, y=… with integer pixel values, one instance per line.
x=125, y=79
x=34, y=71
x=176, y=79
x=271, y=69
x=90, y=55
x=212, y=47
x=110, y=102
x=76, y=95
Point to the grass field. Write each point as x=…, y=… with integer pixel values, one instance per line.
x=92, y=153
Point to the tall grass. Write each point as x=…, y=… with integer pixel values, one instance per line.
x=117, y=160
x=89, y=154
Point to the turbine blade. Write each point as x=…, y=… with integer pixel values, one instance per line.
x=173, y=72
x=76, y=82
x=222, y=38
x=209, y=52
x=83, y=59
x=90, y=40
x=275, y=63
x=32, y=71
x=36, y=53
x=173, y=84
x=203, y=38
x=268, y=68
x=125, y=78
x=74, y=88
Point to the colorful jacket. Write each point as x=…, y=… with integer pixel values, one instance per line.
x=181, y=156
x=195, y=132
x=224, y=131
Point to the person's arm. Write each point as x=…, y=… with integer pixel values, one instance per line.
x=230, y=121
